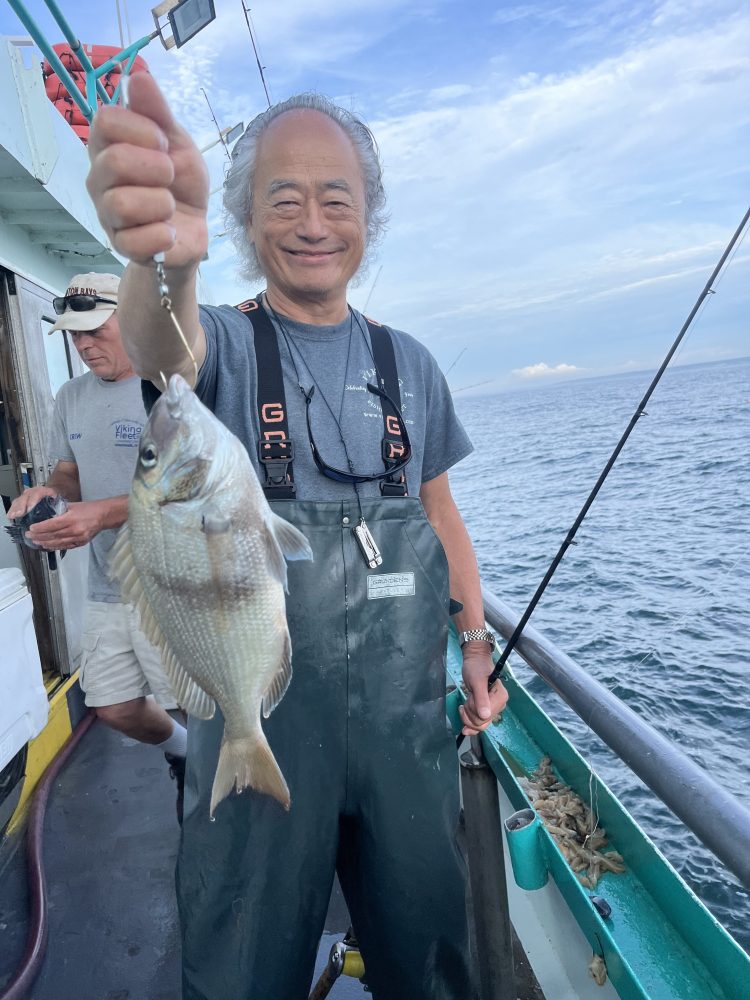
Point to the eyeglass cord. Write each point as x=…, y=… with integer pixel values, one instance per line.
x=288, y=342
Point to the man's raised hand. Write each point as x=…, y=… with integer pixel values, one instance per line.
x=148, y=180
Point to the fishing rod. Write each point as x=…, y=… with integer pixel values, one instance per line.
x=640, y=411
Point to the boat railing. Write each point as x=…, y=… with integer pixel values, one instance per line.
x=712, y=813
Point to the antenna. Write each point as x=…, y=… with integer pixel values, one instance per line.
x=372, y=289
x=127, y=19
x=246, y=12
x=119, y=24
x=221, y=134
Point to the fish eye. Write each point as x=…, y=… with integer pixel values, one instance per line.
x=148, y=456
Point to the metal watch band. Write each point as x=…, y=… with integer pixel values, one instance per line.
x=477, y=633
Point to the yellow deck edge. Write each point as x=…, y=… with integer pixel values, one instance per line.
x=64, y=714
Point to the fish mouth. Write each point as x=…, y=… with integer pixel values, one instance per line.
x=175, y=394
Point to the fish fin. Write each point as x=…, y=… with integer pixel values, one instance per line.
x=16, y=532
x=284, y=539
x=291, y=541
x=280, y=682
x=190, y=697
x=275, y=558
x=248, y=762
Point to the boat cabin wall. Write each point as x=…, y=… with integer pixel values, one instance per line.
x=33, y=366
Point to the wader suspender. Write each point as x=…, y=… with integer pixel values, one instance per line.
x=393, y=447
x=275, y=448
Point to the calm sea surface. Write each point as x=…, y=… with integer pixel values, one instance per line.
x=654, y=601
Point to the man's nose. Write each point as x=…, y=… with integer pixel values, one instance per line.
x=312, y=224
x=83, y=339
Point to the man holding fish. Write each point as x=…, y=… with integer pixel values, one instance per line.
x=350, y=430
x=97, y=421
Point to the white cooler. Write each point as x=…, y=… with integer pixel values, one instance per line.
x=23, y=699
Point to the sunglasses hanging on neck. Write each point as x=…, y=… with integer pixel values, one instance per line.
x=342, y=476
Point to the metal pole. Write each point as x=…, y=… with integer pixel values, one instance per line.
x=52, y=57
x=712, y=813
x=489, y=891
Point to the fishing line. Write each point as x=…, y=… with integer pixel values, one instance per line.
x=639, y=412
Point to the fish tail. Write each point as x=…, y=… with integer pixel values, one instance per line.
x=248, y=761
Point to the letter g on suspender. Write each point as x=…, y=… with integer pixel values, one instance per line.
x=393, y=446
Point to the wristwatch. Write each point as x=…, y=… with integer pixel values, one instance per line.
x=478, y=633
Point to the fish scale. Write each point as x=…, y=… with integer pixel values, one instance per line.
x=201, y=557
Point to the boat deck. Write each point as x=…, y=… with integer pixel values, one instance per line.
x=110, y=846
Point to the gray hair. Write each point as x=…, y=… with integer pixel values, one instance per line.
x=238, y=184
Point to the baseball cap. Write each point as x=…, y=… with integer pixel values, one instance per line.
x=100, y=286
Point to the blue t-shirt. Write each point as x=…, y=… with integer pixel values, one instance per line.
x=346, y=419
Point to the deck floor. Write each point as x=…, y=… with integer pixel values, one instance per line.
x=113, y=931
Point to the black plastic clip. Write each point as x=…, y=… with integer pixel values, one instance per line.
x=275, y=458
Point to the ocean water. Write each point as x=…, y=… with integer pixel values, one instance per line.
x=654, y=600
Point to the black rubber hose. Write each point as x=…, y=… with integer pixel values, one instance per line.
x=36, y=938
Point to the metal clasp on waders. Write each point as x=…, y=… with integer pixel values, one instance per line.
x=493, y=945
x=345, y=960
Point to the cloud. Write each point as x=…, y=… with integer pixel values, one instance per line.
x=452, y=92
x=543, y=370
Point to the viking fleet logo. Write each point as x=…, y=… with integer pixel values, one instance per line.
x=127, y=433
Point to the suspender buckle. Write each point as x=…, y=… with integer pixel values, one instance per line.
x=275, y=457
x=393, y=489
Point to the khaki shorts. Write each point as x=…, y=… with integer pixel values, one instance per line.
x=118, y=662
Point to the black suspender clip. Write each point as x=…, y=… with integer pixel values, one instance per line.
x=275, y=457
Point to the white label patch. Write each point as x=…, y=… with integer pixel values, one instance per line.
x=390, y=585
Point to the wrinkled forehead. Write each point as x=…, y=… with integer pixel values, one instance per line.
x=306, y=145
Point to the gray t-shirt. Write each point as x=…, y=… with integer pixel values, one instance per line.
x=338, y=361
x=97, y=425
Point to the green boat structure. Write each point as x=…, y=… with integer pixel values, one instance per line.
x=638, y=933
x=659, y=940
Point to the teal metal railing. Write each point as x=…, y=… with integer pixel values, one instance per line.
x=87, y=103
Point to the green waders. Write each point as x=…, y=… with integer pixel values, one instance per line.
x=363, y=742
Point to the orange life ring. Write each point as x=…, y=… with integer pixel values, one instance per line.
x=82, y=131
x=71, y=112
x=56, y=89
x=98, y=54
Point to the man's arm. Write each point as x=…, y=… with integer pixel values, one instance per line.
x=80, y=523
x=149, y=184
x=481, y=705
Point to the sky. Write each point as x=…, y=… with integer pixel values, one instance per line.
x=562, y=176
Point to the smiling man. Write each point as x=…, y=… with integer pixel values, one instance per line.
x=352, y=431
x=96, y=426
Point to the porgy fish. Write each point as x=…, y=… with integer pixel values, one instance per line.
x=201, y=557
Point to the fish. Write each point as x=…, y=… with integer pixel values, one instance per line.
x=46, y=508
x=202, y=558
x=49, y=506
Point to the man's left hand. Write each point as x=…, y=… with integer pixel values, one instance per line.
x=77, y=526
x=481, y=705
